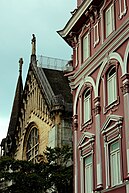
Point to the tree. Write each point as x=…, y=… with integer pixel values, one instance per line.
x=53, y=173
x=60, y=169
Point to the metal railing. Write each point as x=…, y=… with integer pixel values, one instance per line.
x=51, y=63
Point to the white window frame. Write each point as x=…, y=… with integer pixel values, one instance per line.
x=109, y=20
x=86, y=47
x=77, y=53
x=111, y=86
x=88, y=173
x=87, y=106
x=96, y=31
x=122, y=12
x=115, y=170
x=111, y=132
x=86, y=147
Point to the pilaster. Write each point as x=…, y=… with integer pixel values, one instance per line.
x=75, y=126
x=125, y=91
x=97, y=110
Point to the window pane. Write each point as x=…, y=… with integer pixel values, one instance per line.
x=109, y=20
x=114, y=146
x=88, y=174
x=32, y=145
x=115, y=163
x=85, y=47
x=87, y=106
x=112, y=86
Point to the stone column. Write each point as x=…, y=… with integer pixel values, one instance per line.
x=75, y=126
x=98, y=143
x=125, y=90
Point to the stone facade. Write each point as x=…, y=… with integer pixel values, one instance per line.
x=41, y=114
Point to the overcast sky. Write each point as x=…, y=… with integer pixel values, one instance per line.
x=18, y=21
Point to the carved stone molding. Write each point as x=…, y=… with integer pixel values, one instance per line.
x=125, y=87
x=97, y=108
x=75, y=122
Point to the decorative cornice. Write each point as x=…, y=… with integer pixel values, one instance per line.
x=97, y=109
x=125, y=77
x=115, y=118
x=97, y=60
x=63, y=33
x=83, y=142
x=125, y=88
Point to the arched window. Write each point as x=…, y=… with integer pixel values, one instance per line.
x=87, y=105
x=111, y=85
x=32, y=145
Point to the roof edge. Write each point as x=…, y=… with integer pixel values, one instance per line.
x=64, y=32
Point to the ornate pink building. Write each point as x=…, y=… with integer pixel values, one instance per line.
x=98, y=32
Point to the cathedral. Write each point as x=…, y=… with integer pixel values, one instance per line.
x=41, y=114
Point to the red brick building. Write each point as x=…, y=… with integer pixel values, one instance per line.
x=98, y=32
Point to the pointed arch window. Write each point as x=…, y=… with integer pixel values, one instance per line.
x=32, y=145
x=111, y=85
x=87, y=105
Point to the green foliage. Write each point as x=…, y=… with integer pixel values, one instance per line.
x=53, y=173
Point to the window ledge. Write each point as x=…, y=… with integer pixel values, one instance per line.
x=112, y=106
x=87, y=124
x=109, y=35
x=113, y=187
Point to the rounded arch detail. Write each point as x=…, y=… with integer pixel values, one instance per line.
x=85, y=80
x=126, y=58
x=111, y=56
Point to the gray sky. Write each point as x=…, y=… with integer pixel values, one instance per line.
x=18, y=21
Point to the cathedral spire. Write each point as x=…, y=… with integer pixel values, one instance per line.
x=14, y=118
x=20, y=66
x=33, y=54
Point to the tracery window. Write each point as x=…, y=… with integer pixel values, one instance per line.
x=32, y=146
